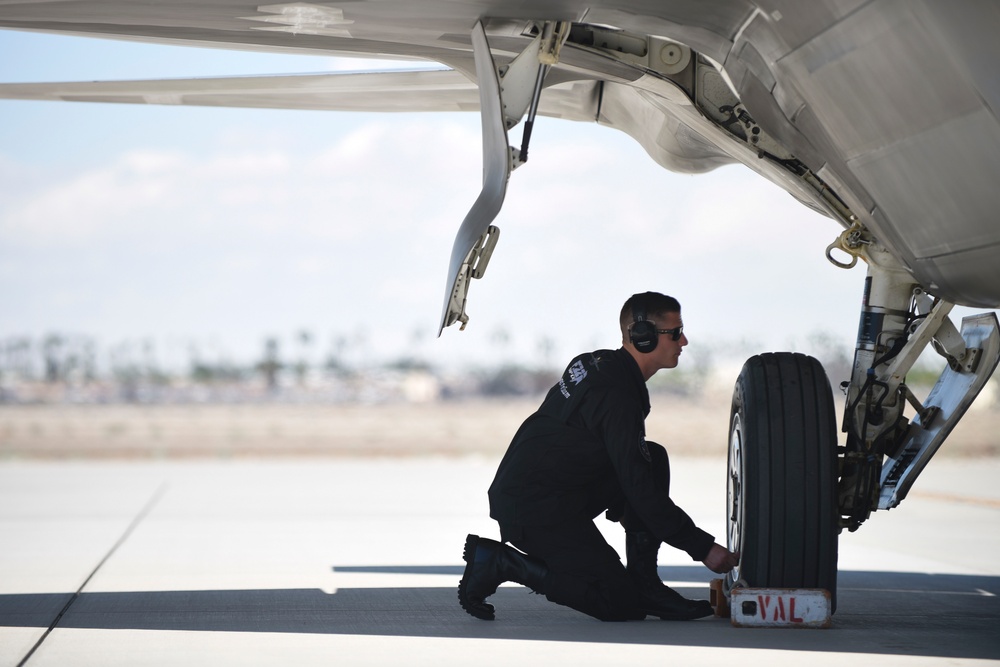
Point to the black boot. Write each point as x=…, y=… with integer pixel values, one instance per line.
x=655, y=597
x=489, y=564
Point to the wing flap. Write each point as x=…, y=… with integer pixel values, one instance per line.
x=412, y=91
x=434, y=90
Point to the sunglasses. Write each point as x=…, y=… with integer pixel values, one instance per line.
x=675, y=334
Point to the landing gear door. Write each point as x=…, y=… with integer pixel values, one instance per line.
x=475, y=239
x=954, y=392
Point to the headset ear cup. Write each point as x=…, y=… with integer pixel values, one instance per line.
x=643, y=332
x=643, y=336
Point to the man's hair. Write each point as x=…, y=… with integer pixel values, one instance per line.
x=655, y=305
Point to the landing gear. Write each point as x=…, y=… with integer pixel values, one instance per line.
x=886, y=449
x=782, y=510
x=790, y=490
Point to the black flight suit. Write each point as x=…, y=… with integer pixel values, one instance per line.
x=581, y=453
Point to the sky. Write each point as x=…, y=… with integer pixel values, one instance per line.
x=220, y=228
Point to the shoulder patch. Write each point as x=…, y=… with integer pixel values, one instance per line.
x=574, y=374
x=577, y=372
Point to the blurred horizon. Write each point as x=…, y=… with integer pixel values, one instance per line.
x=299, y=368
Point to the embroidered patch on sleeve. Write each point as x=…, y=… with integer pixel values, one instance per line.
x=577, y=372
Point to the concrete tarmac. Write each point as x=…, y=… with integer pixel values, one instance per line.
x=356, y=562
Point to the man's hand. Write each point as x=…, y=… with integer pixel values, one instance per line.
x=720, y=559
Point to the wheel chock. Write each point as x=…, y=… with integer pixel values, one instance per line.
x=780, y=607
x=772, y=607
x=717, y=598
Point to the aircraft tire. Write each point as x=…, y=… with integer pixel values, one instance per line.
x=782, y=470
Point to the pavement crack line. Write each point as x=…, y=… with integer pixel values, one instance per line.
x=143, y=513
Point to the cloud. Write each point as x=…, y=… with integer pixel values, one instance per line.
x=88, y=204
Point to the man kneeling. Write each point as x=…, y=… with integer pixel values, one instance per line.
x=584, y=452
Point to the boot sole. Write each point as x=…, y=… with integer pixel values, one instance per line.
x=481, y=610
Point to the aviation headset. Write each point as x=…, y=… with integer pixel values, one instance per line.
x=642, y=333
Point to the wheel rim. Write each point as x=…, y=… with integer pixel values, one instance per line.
x=734, y=493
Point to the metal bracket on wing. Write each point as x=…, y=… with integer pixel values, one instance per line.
x=504, y=97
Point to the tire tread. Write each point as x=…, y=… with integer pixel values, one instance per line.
x=789, y=456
